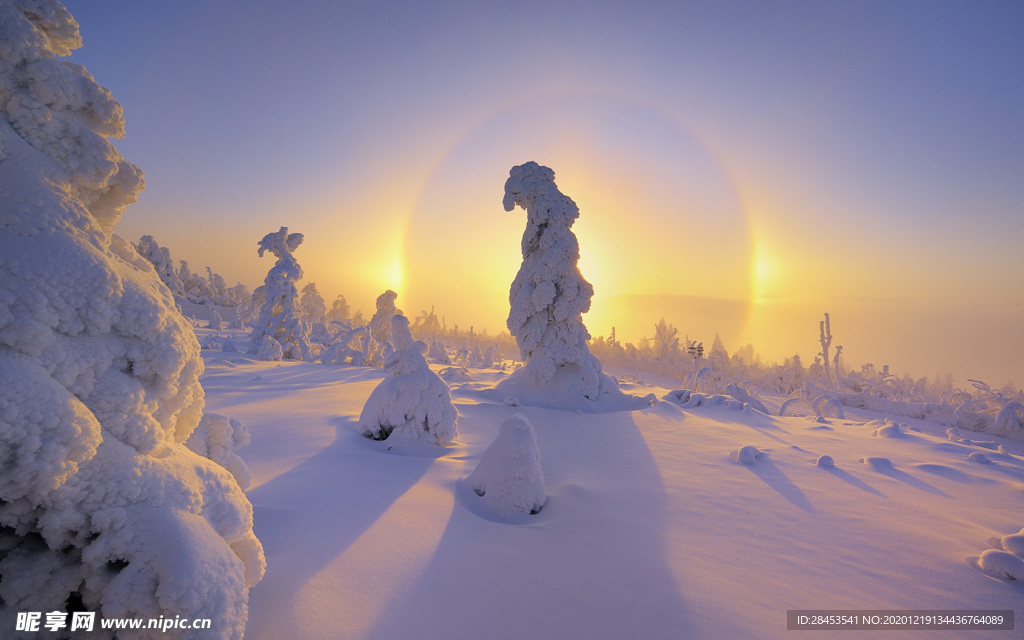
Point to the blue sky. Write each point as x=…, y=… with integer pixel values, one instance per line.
x=862, y=158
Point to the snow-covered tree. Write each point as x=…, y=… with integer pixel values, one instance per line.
x=102, y=506
x=160, y=258
x=427, y=326
x=549, y=295
x=194, y=287
x=279, y=316
x=666, y=341
x=380, y=327
x=340, y=311
x=314, y=311
x=411, y=403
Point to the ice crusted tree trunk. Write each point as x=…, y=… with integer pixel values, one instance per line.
x=549, y=295
x=411, y=404
x=280, y=317
x=102, y=506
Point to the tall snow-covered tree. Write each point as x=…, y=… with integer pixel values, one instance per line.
x=279, y=316
x=102, y=505
x=549, y=295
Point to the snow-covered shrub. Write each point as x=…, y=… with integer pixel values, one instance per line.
x=102, y=506
x=1011, y=417
x=438, y=354
x=216, y=322
x=348, y=344
x=549, y=295
x=743, y=395
x=217, y=437
x=270, y=350
x=509, y=477
x=279, y=316
x=411, y=403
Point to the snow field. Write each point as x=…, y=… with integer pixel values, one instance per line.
x=650, y=528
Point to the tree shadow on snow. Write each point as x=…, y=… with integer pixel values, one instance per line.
x=312, y=513
x=848, y=477
x=907, y=479
x=591, y=564
x=764, y=468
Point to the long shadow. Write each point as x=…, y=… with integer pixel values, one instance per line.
x=906, y=478
x=848, y=477
x=765, y=469
x=592, y=564
x=310, y=514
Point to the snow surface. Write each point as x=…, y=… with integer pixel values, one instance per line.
x=651, y=529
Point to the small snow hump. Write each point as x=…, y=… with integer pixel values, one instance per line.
x=825, y=461
x=877, y=463
x=1014, y=543
x=890, y=429
x=1002, y=564
x=509, y=478
x=747, y=454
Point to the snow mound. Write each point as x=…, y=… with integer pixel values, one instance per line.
x=1014, y=543
x=1002, y=564
x=825, y=461
x=748, y=454
x=691, y=400
x=562, y=393
x=411, y=404
x=977, y=456
x=889, y=429
x=454, y=374
x=877, y=463
x=509, y=478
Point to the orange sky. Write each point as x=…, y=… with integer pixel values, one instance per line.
x=739, y=168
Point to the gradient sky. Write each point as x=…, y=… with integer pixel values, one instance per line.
x=740, y=167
